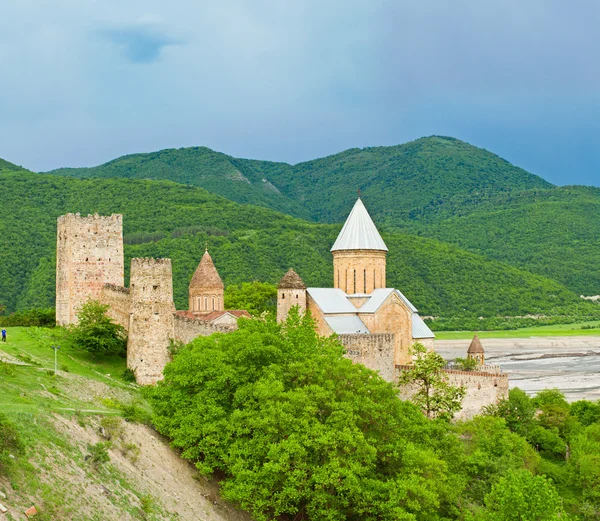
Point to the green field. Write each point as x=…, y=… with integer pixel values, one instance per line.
x=578, y=329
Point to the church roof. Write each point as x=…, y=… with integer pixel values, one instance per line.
x=420, y=329
x=359, y=232
x=291, y=280
x=475, y=346
x=206, y=275
x=331, y=300
x=345, y=324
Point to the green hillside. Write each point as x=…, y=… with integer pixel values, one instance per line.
x=240, y=181
x=6, y=166
x=437, y=186
x=164, y=219
x=555, y=233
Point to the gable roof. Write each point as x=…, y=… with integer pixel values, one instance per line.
x=331, y=300
x=291, y=280
x=359, y=232
x=346, y=324
x=206, y=275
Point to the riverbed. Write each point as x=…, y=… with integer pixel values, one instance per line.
x=571, y=364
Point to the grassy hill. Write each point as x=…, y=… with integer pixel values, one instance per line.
x=165, y=219
x=65, y=421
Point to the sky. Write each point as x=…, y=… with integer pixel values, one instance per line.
x=85, y=81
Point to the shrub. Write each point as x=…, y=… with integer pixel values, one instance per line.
x=96, y=332
x=99, y=453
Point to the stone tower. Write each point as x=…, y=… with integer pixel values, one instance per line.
x=291, y=291
x=206, y=287
x=151, y=322
x=476, y=352
x=89, y=254
x=359, y=254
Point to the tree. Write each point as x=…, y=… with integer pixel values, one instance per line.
x=521, y=496
x=255, y=297
x=434, y=395
x=298, y=430
x=96, y=332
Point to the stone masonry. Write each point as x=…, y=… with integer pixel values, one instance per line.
x=89, y=254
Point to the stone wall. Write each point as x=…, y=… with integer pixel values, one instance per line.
x=89, y=254
x=482, y=388
x=152, y=318
x=375, y=351
x=359, y=271
x=186, y=329
x=118, y=299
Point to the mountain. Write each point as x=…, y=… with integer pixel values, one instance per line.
x=438, y=187
x=241, y=181
x=166, y=219
x=5, y=166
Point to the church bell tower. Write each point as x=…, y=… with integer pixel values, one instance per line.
x=359, y=254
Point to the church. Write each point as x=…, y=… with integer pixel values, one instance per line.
x=377, y=325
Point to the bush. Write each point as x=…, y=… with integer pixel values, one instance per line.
x=99, y=453
x=40, y=317
x=96, y=332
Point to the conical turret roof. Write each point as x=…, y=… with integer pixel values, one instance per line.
x=475, y=346
x=291, y=280
x=359, y=232
x=206, y=275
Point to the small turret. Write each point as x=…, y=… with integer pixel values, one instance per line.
x=291, y=291
x=206, y=287
x=475, y=351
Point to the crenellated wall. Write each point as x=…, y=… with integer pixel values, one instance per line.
x=118, y=299
x=375, y=351
x=89, y=254
x=483, y=389
x=186, y=328
x=152, y=318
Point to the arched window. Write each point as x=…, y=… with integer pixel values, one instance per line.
x=213, y=303
x=365, y=281
x=198, y=304
x=354, y=289
x=205, y=303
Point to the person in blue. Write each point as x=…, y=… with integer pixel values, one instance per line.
x=4, y=335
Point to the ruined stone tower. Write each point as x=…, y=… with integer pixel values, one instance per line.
x=359, y=254
x=206, y=287
x=291, y=291
x=151, y=324
x=89, y=254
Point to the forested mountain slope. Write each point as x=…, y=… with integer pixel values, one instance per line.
x=165, y=219
x=555, y=233
x=240, y=181
x=437, y=186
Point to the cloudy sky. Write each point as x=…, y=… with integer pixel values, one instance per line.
x=85, y=81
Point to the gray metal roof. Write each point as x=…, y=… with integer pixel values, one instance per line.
x=420, y=328
x=346, y=324
x=331, y=300
x=376, y=298
x=359, y=232
x=406, y=301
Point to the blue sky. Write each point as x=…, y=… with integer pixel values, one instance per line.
x=85, y=81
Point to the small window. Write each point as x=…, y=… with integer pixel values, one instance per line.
x=283, y=296
x=296, y=296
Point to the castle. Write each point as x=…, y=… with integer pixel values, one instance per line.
x=376, y=324
x=90, y=265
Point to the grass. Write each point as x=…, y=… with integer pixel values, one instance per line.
x=578, y=329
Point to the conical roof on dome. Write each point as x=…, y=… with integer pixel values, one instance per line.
x=206, y=275
x=475, y=346
x=359, y=232
x=291, y=280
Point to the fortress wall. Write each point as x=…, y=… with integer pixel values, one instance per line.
x=89, y=254
x=119, y=300
x=152, y=324
x=482, y=388
x=375, y=351
x=186, y=329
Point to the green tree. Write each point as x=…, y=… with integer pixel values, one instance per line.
x=300, y=431
x=521, y=496
x=255, y=297
x=96, y=332
x=434, y=395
